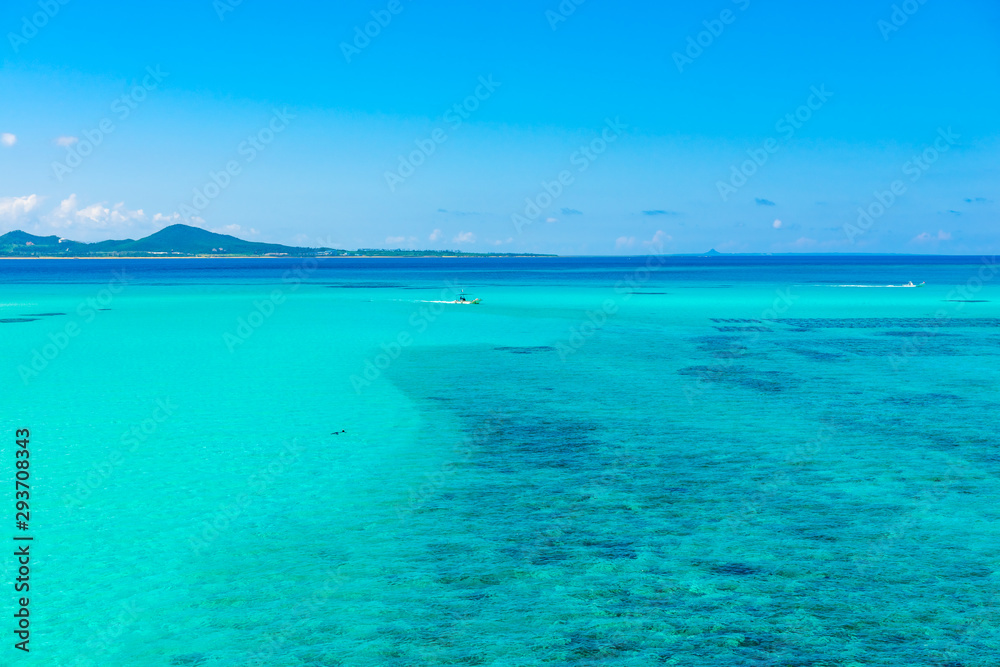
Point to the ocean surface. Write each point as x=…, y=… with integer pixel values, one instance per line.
x=787, y=461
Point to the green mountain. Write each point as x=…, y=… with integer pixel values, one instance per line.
x=193, y=240
x=24, y=238
x=175, y=239
x=186, y=240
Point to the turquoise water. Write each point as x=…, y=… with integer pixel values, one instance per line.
x=722, y=461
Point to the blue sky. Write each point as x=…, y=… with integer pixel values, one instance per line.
x=663, y=122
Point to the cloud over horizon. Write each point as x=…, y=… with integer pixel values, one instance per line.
x=660, y=238
x=15, y=209
x=98, y=221
x=927, y=237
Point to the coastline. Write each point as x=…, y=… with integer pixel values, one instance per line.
x=294, y=257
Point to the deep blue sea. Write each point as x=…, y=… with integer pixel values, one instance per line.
x=690, y=461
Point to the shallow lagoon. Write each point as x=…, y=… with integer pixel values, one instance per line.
x=737, y=462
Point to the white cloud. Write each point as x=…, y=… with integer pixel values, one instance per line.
x=66, y=206
x=328, y=242
x=102, y=217
x=177, y=218
x=13, y=209
x=66, y=141
x=551, y=219
x=93, y=222
x=235, y=230
x=624, y=242
x=464, y=237
x=777, y=224
x=8, y=139
x=659, y=239
x=928, y=238
x=98, y=217
x=435, y=235
x=395, y=239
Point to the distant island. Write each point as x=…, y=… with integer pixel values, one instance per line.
x=187, y=241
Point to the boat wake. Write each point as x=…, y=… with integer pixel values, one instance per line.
x=881, y=286
x=476, y=301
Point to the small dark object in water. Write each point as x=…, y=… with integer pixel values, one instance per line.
x=339, y=432
x=42, y=314
x=12, y=320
